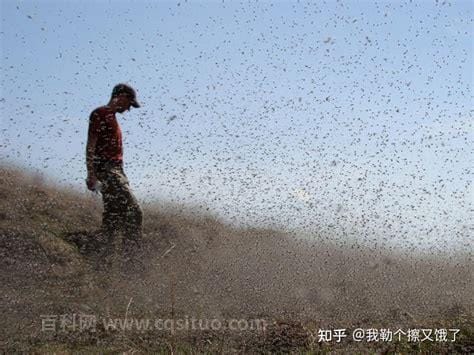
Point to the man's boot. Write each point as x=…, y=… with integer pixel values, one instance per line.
x=109, y=237
x=132, y=255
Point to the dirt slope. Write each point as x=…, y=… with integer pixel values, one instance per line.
x=196, y=266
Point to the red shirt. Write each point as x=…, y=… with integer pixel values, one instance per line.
x=103, y=125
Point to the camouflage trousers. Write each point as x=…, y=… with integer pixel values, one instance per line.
x=122, y=214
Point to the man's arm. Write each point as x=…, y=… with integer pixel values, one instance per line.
x=92, y=137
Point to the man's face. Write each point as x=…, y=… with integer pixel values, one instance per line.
x=123, y=103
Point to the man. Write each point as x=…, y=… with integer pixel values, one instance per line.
x=104, y=157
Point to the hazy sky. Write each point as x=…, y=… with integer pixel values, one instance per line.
x=347, y=118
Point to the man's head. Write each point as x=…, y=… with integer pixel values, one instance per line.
x=124, y=96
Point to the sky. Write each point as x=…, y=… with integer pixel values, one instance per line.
x=348, y=120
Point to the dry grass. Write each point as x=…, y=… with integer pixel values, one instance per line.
x=196, y=266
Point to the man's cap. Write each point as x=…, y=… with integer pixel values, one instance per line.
x=129, y=91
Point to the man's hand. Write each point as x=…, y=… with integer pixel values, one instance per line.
x=91, y=182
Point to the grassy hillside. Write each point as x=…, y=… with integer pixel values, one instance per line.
x=196, y=266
